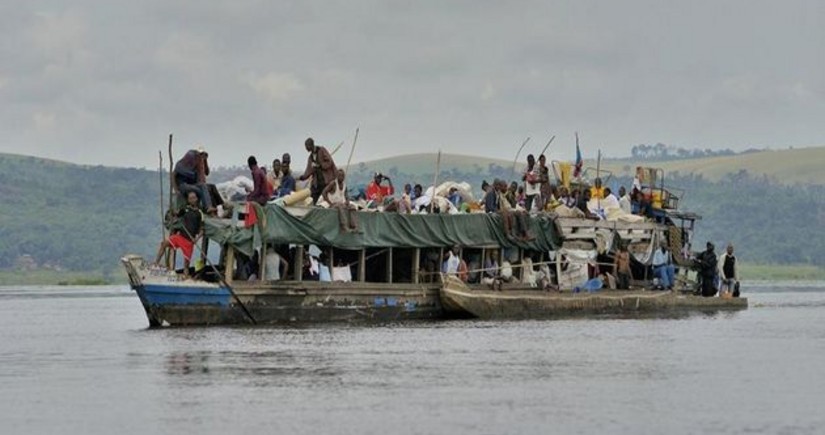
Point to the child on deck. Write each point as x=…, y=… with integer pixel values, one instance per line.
x=185, y=239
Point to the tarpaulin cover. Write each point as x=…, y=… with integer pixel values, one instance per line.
x=376, y=230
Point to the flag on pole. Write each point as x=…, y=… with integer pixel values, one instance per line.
x=579, y=163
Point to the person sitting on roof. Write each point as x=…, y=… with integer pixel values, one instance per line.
x=190, y=231
x=597, y=191
x=259, y=193
x=624, y=201
x=455, y=197
x=273, y=177
x=510, y=194
x=287, y=179
x=190, y=176
x=512, y=218
x=581, y=204
x=406, y=200
x=320, y=167
x=335, y=194
x=377, y=193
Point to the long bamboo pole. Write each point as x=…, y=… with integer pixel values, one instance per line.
x=546, y=146
x=352, y=150
x=160, y=178
x=515, y=160
x=171, y=173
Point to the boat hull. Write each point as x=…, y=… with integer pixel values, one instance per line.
x=536, y=304
x=169, y=300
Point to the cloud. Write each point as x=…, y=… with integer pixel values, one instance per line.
x=275, y=87
x=254, y=77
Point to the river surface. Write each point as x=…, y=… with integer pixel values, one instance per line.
x=76, y=360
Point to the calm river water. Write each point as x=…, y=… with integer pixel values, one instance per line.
x=78, y=360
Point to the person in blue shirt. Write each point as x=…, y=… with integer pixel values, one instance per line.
x=663, y=267
x=287, y=180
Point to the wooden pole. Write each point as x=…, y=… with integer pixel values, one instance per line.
x=513, y=171
x=160, y=177
x=299, y=263
x=546, y=146
x=598, y=170
x=171, y=173
x=352, y=150
x=435, y=179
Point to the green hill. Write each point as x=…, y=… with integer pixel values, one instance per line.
x=58, y=217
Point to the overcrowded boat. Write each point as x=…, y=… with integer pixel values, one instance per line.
x=289, y=260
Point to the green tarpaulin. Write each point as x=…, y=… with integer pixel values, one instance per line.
x=377, y=230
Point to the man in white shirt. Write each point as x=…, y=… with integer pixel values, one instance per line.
x=451, y=262
x=624, y=201
x=663, y=267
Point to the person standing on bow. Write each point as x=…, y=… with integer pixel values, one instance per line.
x=728, y=272
x=320, y=167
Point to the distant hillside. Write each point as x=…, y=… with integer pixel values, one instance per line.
x=803, y=165
x=63, y=216
x=57, y=215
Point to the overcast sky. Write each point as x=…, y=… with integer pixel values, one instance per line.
x=106, y=82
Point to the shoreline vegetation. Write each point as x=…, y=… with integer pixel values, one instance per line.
x=748, y=271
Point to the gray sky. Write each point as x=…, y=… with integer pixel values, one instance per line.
x=106, y=82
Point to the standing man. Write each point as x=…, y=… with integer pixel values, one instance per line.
x=532, y=183
x=621, y=266
x=546, y=188
x=663, y=267
x=190, y=176
x=320, y=167
x=707, y=270
x=259, y=192
x=728, y=272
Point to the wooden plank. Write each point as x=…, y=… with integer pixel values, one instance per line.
x=362, y=265
x=389, y=265
x=229, y=265
x=416, y=265
x=298, y=270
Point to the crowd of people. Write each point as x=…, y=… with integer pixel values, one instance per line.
x=324, y=184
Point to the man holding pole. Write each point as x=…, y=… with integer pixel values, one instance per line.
x=320, y=167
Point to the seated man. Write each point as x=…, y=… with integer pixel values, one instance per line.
x=377, y=193
x=287, y=180
x=335, y=194
x=663, y=267
x=186, y=237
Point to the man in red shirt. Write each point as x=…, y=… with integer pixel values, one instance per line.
x=260, y=192
x=376, y=192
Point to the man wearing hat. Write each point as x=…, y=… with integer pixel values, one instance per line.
x=320, y=167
